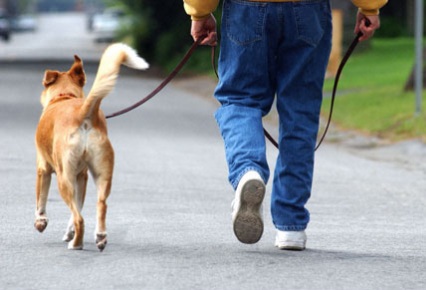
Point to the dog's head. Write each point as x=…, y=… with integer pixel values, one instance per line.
x=68, y=83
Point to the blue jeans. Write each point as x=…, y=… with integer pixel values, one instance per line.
x=273, y=50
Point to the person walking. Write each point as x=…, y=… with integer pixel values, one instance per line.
x=272, y=50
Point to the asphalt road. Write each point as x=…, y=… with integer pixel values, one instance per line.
x=169, y=216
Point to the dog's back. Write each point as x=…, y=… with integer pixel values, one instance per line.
x=71, y=138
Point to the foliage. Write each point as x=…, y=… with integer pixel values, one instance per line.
x=159, y=30
x=391, y=27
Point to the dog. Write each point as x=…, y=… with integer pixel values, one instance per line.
x=71, y=140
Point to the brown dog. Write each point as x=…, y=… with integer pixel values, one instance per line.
x=71, y=139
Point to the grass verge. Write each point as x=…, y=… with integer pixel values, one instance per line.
x=370, y=96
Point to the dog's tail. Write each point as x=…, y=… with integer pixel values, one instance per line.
x=109, y=67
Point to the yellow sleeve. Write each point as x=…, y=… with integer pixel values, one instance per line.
x=369, y=7
x=198, y=9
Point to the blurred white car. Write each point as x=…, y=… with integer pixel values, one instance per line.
x=25, y=22
x=106, y=25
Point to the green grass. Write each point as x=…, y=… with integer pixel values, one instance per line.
x=370, y=96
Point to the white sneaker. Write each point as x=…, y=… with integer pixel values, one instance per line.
x=247, y=207
x=291, y=240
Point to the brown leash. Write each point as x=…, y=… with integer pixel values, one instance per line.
x=188, y=55
x=177, y=69
x=336, y=81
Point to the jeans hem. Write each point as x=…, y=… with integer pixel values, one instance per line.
x=237, y=181
x=287, y=228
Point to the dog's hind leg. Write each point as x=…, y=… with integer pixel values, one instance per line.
x=80, y=197
x=103, y=180
x=44, y=176
x=104, y=189
x=66, y=188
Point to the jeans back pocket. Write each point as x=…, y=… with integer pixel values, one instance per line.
x=311, y=18
x=244, y=21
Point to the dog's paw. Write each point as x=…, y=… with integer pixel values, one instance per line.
x=71, y=246
x=69, y=235
x=41, y=223
x=101, y=241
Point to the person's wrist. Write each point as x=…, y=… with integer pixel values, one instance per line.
x=366, y=12
x=200, y=18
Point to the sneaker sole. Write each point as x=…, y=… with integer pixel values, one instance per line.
x=248, y=223
x=291, y=247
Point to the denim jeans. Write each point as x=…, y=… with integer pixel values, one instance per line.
x=274, y=51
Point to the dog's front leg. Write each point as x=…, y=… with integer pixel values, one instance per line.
x=69, y=232
x=79, y=198
x=44, y=177
x=65, y=184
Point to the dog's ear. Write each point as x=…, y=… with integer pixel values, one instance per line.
x=50, y=77
x=77, y=71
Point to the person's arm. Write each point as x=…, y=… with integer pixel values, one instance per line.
x=203, y=21
x=368, y=9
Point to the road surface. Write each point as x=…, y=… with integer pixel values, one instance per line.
x=169, y=215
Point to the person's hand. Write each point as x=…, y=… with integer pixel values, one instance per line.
x=366, y=30
x=205, y=27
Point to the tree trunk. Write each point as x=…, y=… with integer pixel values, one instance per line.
x=409, y=84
